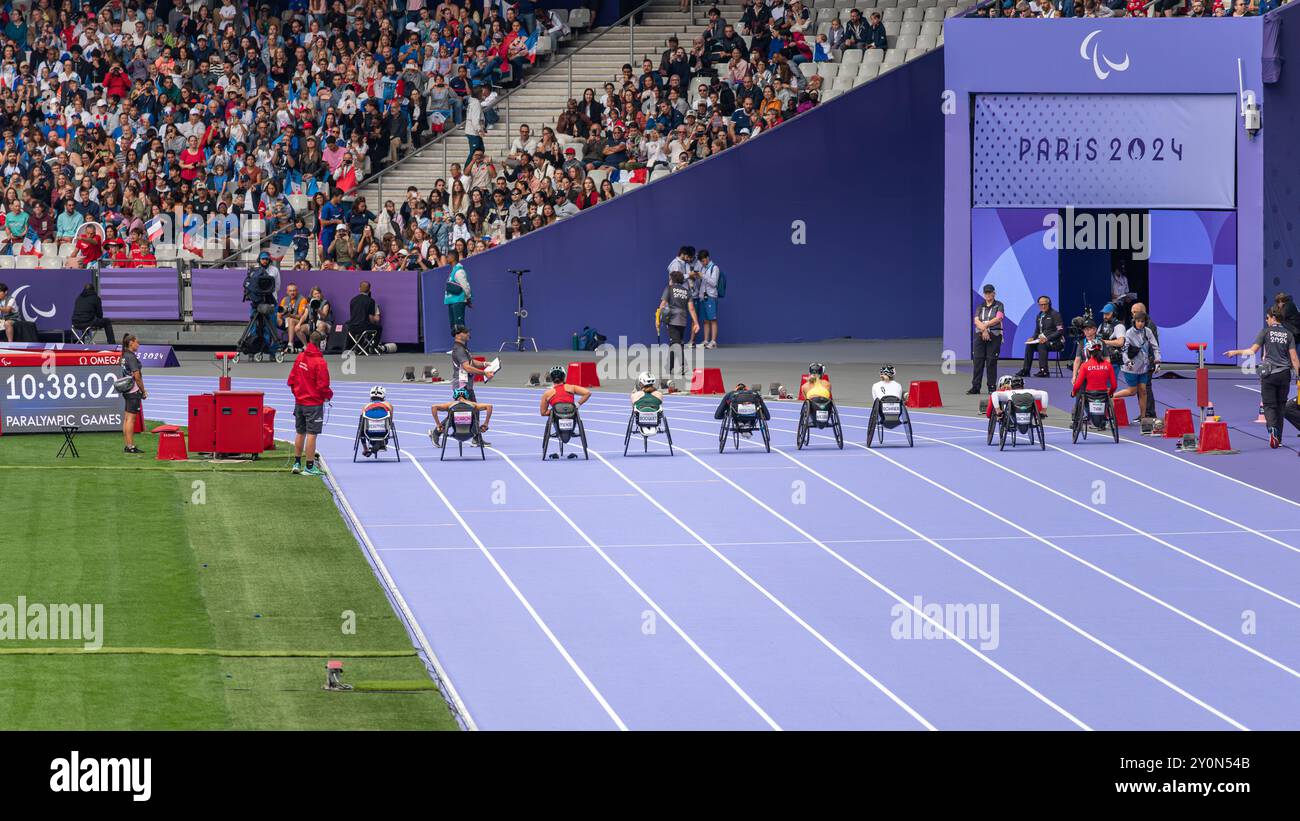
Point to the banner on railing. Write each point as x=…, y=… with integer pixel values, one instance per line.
x=217, y=295
x=140, y=293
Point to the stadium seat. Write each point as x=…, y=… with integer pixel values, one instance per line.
x=828, y=70
x=598, y=175
x=905, y=42
x=873, y=56
x=885, y=4
x=659, y=174
x=907, y=4
x=952, y=12
x=913, y=53
x=893, y=58
x=892, y=27
x=808, y=69
x=927, y=43
x=933, y=15
x=927, y=4
x=851, y=57
x=826, y=15
x=891, y=18
x=867, y=71
x=26, y=261
x=844, y=4
x=830, y=94
x=824, y=28
x=931, y=28
x=579, y=18
x=912, y=27
x=299, y=202
x=8, y=261
x=843, y=82
x=912, y=16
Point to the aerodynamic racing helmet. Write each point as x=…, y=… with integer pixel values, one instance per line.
x=645, y=379
x=887, y=370
x=377, y=393
x=1004, y=382
x=1096, y=350
x=556, y=374
x=460, y=393
x=817, y=369
x=1017, y=383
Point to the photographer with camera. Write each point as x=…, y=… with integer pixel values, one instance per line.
x=1049, y=335
x=1084, y=331
x=1111, y=333
x=1141, y=354
x=292, y=314
x=319, y=317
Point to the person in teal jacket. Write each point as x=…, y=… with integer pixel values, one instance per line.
x=457, y=294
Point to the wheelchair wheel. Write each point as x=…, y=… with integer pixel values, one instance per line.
x=1002, y=436
x=993, y=425
x=722, y=433
x=1077, y=426
x=767, y=435
x=667, y=432
x=835, y=425
x=546, y=438
x=582, y=436
x=1114, y=423
x=907, y=420
x=627, y=437
x=801, y=432
x=871, y=427
x=1042, y=431
x=279, y=354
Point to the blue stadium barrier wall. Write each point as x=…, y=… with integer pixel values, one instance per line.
x=1281, y=121
x=828, y=226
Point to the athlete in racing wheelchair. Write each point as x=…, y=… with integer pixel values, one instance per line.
x=818, y=409
x=376, y=427
x=461, y=424
x=1013, y=410
x=647, y=417
x=1093, y=391
x=888, y=411
x=742, y=412
x=560, y=407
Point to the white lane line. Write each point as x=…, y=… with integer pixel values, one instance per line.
x=1180, y=500
x=505, y=577
x=825, y=642
x=1144, y=593
x=663, y=614
x=1014, y=591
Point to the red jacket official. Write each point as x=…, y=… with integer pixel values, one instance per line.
x=310, y=378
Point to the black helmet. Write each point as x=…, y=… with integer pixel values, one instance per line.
x=817, y=369
x=1017, y=383
x=556, y=374
x=887, y=370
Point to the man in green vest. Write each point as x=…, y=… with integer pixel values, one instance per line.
x=457, y=293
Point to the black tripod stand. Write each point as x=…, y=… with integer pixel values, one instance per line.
x=520, y=341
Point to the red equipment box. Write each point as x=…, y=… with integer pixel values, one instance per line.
x=202, y=424
x=227, y=422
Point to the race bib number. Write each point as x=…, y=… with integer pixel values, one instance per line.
x=565, y=424
x=648, y=419
x=746, y=409
x=1024, y=418
x=463, y=419
x=823, y=416
x=1096, y=406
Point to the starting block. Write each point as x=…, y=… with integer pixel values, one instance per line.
x=707, y=380
x=924, y=393
x=1214, y=438
x=583, y=374
x=803, y=380
x=1177, y=422
x=171, y=443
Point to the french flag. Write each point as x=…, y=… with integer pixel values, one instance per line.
x=531, y=44
x=153, y=229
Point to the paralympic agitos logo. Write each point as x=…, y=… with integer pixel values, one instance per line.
x=1088, y=50
x=30, y=312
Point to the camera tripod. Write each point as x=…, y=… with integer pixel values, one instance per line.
x=520, y=341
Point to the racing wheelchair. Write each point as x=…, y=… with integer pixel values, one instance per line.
x=888, y=413
x=1017, y=416
x=563, y=423
x=743, y=415
x=376, y=428
x=647, y=423
x=462, y=425
x=820, y=413
x=1093, y=410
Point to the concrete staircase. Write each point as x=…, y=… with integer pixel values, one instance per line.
x=592, y=58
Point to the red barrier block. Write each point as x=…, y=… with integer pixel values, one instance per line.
x=803, y=380
x=1178, y=421
x=268, y=428
x=707, y=380
x=582, y=373
x=1214, y=437
x=171, y=443
x=1121, y=413
x=924, y=393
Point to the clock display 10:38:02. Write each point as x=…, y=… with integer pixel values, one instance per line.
x=71, y=384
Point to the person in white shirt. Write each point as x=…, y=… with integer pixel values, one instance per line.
x=886, y=386
x=1009, y=385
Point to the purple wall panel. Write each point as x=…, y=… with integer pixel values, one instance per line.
x=140, y=293
x=860, y=178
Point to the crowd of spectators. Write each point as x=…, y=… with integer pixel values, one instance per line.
x=116, y=111
x=1127, y=8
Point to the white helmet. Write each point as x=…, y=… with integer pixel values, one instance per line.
x=645, y=379
x=377, y=393
x=1004, y=382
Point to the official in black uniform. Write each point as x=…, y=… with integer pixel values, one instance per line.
x=1049, y=335
x=987, y=341
x=1278, y=366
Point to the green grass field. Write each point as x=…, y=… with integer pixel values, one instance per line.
x=224, y=591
